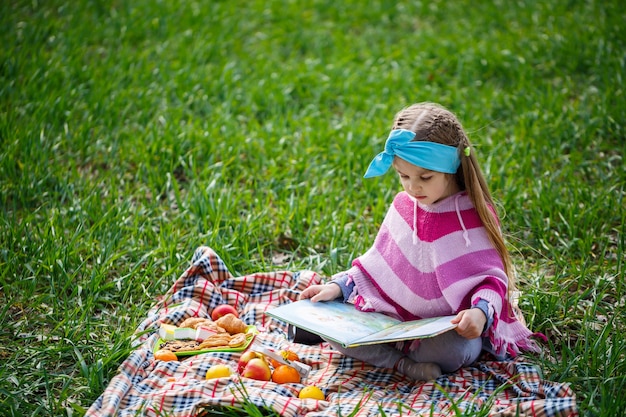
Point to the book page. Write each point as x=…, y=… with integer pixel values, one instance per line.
x=408, y=330
x=333, y=320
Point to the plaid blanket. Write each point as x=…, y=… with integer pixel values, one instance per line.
x=144, y=386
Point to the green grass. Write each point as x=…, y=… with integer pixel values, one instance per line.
x=133, y=132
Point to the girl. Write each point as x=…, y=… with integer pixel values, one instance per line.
x=439, y=251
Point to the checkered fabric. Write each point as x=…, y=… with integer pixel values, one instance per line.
x=144, y=386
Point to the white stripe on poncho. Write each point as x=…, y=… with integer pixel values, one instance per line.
x=443, y=267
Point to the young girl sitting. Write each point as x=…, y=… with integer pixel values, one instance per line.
x=439, y=251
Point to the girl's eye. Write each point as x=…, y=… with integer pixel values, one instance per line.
x=426, y=178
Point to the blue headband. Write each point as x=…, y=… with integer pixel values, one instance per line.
x=428, y=155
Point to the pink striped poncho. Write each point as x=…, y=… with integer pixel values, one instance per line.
x=437, y=260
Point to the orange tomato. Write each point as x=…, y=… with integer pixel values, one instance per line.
x=284, y=374
x=287, y=354
x=165, y=355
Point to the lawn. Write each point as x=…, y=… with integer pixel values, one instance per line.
x=132, y=132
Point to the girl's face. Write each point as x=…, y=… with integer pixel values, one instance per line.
x=428, y=187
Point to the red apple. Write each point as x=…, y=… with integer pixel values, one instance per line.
x=245, y=358
x=222, y=310
x=257, y=369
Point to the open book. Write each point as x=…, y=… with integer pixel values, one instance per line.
x=344, y=324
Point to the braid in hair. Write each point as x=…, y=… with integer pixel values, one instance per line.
x=478, y=191
x=432, y=122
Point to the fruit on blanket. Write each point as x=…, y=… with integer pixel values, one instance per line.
x=311, y=391
x=218, y=371
x=284, y=374
x=257, y=369
x=287, y=354
x=165, y=355
x=222, y=310
x=245, y=358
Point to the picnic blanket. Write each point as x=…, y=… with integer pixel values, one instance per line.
x=144, y=386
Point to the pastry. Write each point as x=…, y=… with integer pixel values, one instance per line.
x=193, y=322
x=237, y=340
x=180, y=345
x=217, y=340
x=232, y=324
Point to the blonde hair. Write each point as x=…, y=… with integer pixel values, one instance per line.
x=434, y=123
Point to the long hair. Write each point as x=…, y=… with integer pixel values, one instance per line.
x=434, y=123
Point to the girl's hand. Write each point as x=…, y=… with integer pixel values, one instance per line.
x=321, y=292
x=470, y=323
